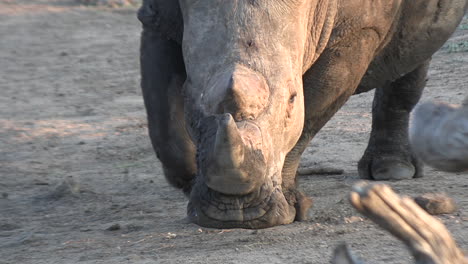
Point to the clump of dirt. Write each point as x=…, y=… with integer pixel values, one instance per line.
x=436, y=203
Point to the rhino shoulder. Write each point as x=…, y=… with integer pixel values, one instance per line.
x=162, y=16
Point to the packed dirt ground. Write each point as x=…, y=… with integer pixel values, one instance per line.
x=79, y=181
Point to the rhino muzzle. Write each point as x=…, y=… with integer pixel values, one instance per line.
x=236, y=164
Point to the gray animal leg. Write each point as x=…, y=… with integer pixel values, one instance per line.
x=327, y=86
x=163, y=74
x=388, y=155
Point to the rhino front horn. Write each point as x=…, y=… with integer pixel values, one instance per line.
x=231, y=165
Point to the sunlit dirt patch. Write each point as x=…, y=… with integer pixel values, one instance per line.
x=14, y=7
x=25, y=131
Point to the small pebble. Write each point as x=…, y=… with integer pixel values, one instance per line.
x=113, y=227
x=170, y=235
x=436, y=203
x=353, y=219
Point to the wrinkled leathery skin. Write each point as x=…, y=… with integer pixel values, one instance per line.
x=264, y=208
x=388, y=155
x=163, y=74
x=232, y=106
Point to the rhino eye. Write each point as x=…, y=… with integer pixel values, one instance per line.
x=292, y=98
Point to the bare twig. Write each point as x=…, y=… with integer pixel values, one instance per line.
x=426, y=237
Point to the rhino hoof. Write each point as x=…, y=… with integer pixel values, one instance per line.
x=389, y=168
x=392, y=170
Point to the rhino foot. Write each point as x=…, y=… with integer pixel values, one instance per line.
x=388, y=155
x=389, y=167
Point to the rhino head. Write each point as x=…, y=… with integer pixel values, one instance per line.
x=244, y=105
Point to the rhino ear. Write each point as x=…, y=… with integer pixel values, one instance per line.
x=164, y=17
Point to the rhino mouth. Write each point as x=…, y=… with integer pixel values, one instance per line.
x=263, y=208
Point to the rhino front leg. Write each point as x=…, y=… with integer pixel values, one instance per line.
x=162, y=77
x=388, y=155
x=327, y=86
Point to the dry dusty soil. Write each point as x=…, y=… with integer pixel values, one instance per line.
x=79, y=182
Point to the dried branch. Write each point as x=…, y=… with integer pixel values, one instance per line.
x=426, y=237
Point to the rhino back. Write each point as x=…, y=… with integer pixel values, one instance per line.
x=422, y=28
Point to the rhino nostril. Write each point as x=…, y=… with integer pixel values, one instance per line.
x=237, y=116
x=292, y=98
